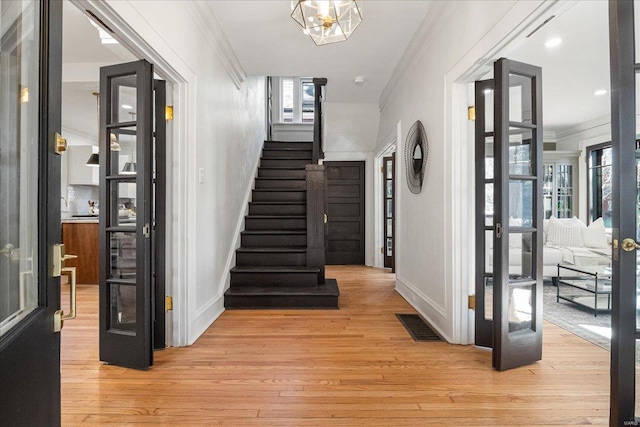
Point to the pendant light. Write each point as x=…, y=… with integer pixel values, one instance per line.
x=327, y=21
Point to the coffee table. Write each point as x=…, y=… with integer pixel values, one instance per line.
x=588, y=286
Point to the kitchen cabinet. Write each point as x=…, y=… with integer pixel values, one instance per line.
x=560, y=188
x=81, y=239
x=78, y=173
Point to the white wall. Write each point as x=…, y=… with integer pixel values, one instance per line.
x=434, y=238
x=218, y=133
x=350, y=131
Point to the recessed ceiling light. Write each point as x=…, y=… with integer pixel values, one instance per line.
x=553, y=42
x=600, y=92
x=358, y=80
x=126, y=106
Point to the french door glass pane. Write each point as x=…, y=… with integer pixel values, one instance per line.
x=123, y=308
x=520, y=203
x=123, y=151
x=520, y=307
x=520, y=249
x=520, y=99
x=488, y=116
x=125, y=194
x=488, y=298
x=123, y=255
x=520, y=152
x=547, y=191
x=124, y=93
x=19, y=144
x=488, y=204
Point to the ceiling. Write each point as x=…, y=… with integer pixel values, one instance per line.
x=574, y=70
x=268, y=42
x=82, y=56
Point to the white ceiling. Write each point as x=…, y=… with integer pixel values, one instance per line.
x=574, y=70
x=268, y=42
x=82, y=56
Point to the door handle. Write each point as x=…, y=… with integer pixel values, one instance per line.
x=59, y=317
x=629, y=245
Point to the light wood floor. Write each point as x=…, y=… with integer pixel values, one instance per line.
x=355, y=366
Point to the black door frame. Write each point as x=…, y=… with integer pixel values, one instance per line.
x=389, y=261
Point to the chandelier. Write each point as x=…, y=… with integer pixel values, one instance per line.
x=327, y=21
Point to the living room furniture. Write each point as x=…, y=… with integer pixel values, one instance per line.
x=588, y=286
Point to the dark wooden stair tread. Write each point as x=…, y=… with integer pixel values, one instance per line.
x=274, y=269
x=280, y=189
x=272, y=232
x=280, y=178
x=276, y=216
x=278, y=202
x=267, y=249
x=329, y=288
x=284, y=167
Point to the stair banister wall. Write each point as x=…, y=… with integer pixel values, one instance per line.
x=316, y=203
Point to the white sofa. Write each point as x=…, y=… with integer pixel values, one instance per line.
x=566, y=241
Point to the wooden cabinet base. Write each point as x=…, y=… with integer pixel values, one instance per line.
x=81, y=239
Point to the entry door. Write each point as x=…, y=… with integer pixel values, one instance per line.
x=625, y=315
x=388, y=173
x=345, y=227
x=30, y=90
x=126, y=205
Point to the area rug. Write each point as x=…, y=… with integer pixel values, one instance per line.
x=577, y=319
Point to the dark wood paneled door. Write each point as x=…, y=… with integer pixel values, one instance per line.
x=389, y=208
x=30, y=91
x=346, y=209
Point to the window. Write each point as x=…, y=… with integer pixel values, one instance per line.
x=297, y=100
x=600, y=197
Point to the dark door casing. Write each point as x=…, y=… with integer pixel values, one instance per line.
x=346, y=209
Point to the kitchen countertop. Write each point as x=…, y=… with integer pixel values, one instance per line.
x=81, y=219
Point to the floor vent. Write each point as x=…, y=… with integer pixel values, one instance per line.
x=417, y=327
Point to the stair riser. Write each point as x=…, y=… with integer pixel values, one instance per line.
x=282, y=173
x=300, y=145
x=279, y=196
x=296, y=154
x=275, y=224
x=273, y=241
x=281, y=184
x=281, y=301
x=271, y=258
x=274, y=279
x=277, y=209
x=269, y=162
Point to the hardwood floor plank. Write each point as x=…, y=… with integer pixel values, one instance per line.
x=351, y=367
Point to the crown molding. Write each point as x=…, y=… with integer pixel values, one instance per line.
x=206, y=20
x=414, y=51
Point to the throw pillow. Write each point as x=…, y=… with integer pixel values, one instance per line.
x=563, y=234
x=595, y=236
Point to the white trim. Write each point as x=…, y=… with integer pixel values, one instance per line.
x=178, y=198
x=204, y=16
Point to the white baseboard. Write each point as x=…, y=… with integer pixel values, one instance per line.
x=429, y=310
x=205, y=317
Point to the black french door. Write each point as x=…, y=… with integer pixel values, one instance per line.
x=131, y=252
x=509, y=215
x=484, y=212
x=388, y=187
x=625, y=315
x=30, y=91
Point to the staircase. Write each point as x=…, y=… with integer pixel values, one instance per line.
x=275, y=265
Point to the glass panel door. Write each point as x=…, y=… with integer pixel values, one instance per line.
x=518, y=215
x=30, y=92
x=388, y=171
x=484, y=212
x=126, y=147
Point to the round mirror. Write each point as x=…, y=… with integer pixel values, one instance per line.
x=417, y=158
